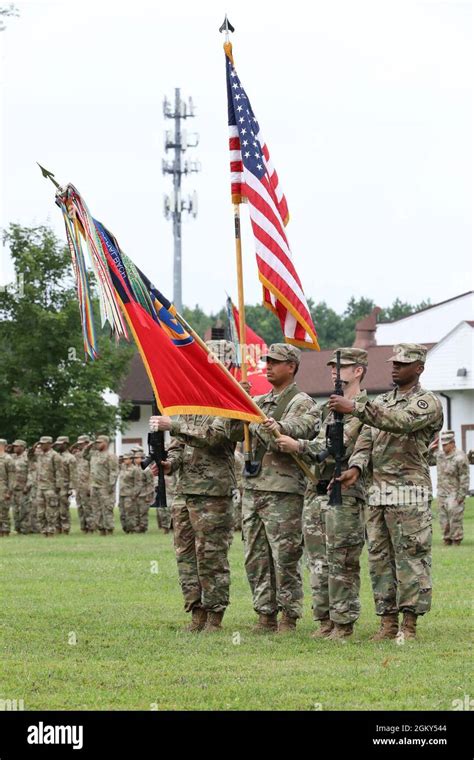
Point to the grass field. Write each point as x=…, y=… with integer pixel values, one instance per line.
x=91, y=622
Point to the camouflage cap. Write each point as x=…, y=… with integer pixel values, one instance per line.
x=45, y=439
x=283, y=352
x=62, y=439
x=447, y=436
x=3, y=442
x=350, y=356
x=136, y=450
x=19, y=442
x=104, y=438
x=83, y=439
x=406, y=353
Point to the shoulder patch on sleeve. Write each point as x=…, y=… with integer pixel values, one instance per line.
x=422, y=403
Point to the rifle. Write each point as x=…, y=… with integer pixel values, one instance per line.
x=157, y=454
x=335, y=441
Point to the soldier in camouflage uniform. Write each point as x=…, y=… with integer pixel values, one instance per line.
x=237, y=497
x=453, y=487
x=334, y=535
x=7, y=485
x=146, y=494
x=272, y=503
x=203, y=456
x=49, y=482
x=84, y=511
x=103, y=477
x=394, y=443
x=31, y=488
x=130, y=484
x=21, y=515
x=69, y=483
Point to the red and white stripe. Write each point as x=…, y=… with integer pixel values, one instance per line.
x=282, y=289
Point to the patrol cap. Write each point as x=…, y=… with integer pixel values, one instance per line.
x=62, y=439
x=447, y=436
x=406, y=353
x=3, y=442
x=83, y=439
x=104, y=438
x=283, y=352
x=128, y=454
x=136, y=450
x=19, y=442
x=350, y=356
x=45, y=439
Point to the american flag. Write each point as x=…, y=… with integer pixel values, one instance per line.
x=254, y=179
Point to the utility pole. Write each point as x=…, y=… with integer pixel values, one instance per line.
x=174, y=205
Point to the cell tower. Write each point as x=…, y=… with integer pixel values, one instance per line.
x=179, y=141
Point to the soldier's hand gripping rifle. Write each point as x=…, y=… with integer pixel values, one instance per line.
x=335, y=440
x=157, y=454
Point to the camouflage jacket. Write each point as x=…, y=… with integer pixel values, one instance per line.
x=7, y=473
x=453, y=475
x=325, y=470
x=301, y=419
x=83, y=469
x=130, y=480
x=393, y=443
x=147, y=482
x=49, y=470
x=21, y=471
x=104, y=468
x=69, y=479
x=202, y=453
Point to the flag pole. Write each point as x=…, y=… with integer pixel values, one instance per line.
x=226, y=28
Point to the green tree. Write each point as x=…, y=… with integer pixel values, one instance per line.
x=400, y=309
x=46, y=385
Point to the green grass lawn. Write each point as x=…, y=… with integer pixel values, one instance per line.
x=130, y=651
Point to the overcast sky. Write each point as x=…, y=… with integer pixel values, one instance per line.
x=365, y=107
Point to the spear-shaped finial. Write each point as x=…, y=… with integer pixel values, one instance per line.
x=226, y=27
x=49, y=175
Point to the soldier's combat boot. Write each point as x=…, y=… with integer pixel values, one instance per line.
x=341, y=631
x=388, y=628
x=213, y=622
x=323, y=632
x=456, y=543
x=287, y=624
x=447, y=541
x=408, y=626
x=198, y=620
x=266, y=623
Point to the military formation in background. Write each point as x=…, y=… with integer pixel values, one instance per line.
x=281, y=503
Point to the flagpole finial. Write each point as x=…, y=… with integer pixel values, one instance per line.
x=226, y=27
x=49, y=175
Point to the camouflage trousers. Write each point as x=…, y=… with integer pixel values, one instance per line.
x=47, y=508
x=334, y=539
x=163, y=516
x=201, y=529
x=102, y=506
x=4, y=512
x=271, y=525
x=21, y=516
x=84, y=510
x=63, y=523
x=399, y=544
x=129, y=517
x=33, y=511
x=144, y=501
x=451, y=518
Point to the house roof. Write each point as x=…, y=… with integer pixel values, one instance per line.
x=313, y=377
x=427, y=308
